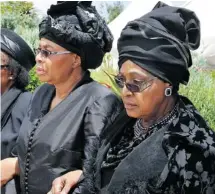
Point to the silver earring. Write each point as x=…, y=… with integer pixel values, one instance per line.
x=168, y=92
x=10, y=78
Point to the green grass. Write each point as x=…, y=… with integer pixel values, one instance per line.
x=34, y=81
x=201, y=91
x=104, y=74
x=31, y=36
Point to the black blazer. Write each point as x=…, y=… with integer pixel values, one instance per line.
x=9, y=133
x=53, y=143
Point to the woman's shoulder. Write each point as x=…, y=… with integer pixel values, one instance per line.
x=22, y=104
x=190, y=131
x=24, y=98
x=26, y=95
x=189, y=113
x=96, y=89
x=100, y=96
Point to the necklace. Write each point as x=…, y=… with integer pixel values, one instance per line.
x=139, y=129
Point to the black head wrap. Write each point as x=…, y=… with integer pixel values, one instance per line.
x=77, y=27
x=159, y=42
x=13, y=45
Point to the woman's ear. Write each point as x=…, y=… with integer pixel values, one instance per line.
x=77, y=61
x=168, y=89
x=11, y=76
x=168, y=85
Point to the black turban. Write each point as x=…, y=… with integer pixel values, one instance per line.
x=159, y=42
x=77, y=27
x=13, y=45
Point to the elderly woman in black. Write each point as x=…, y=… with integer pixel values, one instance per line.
x=160, y=144
x=68, y=112
x=17, y=59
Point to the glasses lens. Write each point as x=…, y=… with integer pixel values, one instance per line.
x=4, y=66
x=44, y=53
x=119, y=81
x=132, y=87
x=37, y=51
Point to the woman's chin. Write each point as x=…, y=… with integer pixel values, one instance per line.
x=132, y=113
x=43, y=79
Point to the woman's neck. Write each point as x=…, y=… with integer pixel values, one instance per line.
x=164, y=109
x=64, y=88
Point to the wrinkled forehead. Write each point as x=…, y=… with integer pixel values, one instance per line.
x=46, y=44
x=50, y=45
x=130, y=68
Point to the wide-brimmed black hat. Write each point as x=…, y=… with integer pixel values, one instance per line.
x=13, y=45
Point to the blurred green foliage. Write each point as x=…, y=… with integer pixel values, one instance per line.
x=201, y=91
x=18, y=13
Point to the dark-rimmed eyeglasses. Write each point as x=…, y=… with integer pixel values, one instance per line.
x=4, y=66
x=131, y=86
x=46, y=53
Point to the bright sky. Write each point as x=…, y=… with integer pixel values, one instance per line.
x=42, y=6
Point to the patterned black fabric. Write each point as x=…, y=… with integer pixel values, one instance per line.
x=189, y=144
x=132, y=137
x=78, y=27
x=169, y=31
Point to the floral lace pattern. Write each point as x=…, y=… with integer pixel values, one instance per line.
x=190, y=146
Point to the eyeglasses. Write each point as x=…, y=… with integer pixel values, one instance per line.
x=4, y=66
x=45, y=53
x=132, y=87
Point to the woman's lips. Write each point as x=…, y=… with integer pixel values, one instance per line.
x=129, y=106
x=40, y=71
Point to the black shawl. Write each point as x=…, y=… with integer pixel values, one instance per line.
x=188, y=145
x=8, y=100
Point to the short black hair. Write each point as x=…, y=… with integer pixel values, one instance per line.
x=20, y=74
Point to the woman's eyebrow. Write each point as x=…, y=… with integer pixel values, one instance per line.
x=46, y=46
x=138, y=73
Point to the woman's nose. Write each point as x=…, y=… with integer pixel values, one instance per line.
x=38, y=58
x=125, y=91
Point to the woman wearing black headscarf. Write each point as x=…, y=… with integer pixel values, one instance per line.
x=17, y=59
x=68, y=112
x=160, y=144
